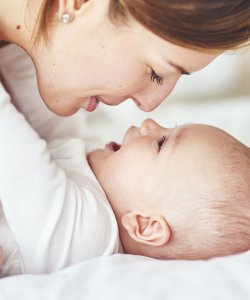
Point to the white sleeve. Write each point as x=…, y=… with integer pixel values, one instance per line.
x=46, y=211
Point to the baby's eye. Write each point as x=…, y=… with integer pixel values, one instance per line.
x=154, y=77
x=161, y=142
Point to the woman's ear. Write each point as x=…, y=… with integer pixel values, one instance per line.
x=152, y=230
x=69, y=8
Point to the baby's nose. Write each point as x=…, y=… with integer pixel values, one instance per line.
x=147, y=126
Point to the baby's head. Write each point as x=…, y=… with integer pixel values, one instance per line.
x=179, y=193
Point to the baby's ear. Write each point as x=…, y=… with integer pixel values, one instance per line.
x=152, y=230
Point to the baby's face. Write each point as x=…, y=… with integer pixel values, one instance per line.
x=155, y=163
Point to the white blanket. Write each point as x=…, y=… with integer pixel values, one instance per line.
x=130, y=277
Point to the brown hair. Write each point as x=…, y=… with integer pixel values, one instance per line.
x=206, y=24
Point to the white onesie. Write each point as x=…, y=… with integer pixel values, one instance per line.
x=54, y=212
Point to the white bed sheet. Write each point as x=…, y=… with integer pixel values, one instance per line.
x=130, y=277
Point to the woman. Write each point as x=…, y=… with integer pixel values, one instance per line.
x=86, y=52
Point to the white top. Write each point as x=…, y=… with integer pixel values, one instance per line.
x=55, y=212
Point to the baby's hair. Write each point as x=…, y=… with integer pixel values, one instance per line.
x=234, y=211
x=220, y=222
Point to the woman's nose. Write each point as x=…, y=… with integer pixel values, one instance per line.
x=147, y=126
x=151, y=103
x=151, y=97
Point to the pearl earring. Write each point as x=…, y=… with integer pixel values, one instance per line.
x=65, y=17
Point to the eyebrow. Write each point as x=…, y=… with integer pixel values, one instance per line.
x=179, y=68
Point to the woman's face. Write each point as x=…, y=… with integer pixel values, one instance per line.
x=91, y=60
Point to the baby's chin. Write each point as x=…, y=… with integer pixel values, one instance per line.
x=95, y=159
x=91, y=157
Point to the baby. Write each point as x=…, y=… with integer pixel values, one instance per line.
x=179, y=193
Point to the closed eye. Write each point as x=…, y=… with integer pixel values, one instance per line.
x=156, y=78
x=161, y=142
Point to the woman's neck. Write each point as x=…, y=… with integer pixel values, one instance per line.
x=17, y=21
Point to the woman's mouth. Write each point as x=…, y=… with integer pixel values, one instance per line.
x=92, y=103
x=137, y=103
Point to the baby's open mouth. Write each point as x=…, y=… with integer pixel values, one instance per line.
x=116, y=146
x=113, y=146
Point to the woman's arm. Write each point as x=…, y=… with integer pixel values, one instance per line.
x=29, y=182
x=49, y=214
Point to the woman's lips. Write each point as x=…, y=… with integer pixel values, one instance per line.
x=137, y=102
x=92, y=103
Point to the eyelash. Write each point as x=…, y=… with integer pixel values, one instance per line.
x=161, y=142
x=154, y=77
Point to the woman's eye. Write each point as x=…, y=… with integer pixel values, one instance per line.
x=156, y=78
x=161, y=142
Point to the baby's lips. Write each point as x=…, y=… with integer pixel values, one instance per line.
x=113, y=146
